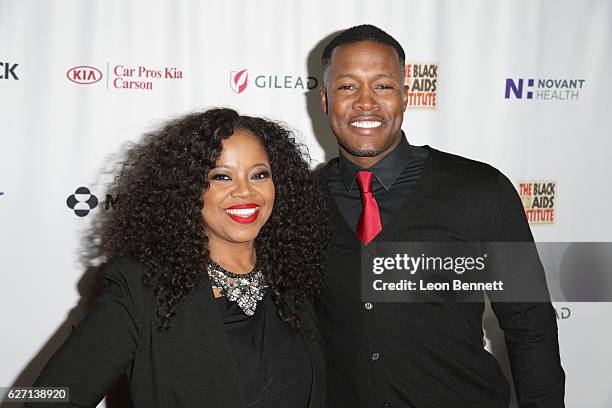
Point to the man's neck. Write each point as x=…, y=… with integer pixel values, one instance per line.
x=367, y=162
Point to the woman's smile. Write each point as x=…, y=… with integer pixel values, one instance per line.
x=245, y=213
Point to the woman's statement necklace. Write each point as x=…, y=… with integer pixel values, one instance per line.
x=245, y=289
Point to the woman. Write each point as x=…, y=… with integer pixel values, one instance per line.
x=215, y=245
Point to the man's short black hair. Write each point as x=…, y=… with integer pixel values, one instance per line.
x=364, y=32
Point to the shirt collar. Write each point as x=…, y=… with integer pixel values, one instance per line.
x=385, y=171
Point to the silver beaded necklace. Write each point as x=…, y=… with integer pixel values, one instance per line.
x=245, y=289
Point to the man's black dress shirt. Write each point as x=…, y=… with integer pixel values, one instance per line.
x=394, y=177
x=419, y=355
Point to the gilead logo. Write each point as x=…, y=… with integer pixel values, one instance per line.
x=84, y=75
x=239, y=80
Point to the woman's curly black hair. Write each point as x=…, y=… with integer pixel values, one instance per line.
x=157, y=214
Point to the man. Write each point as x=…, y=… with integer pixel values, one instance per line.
x=382, y=189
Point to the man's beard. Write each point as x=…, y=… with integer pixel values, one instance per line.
x=362, y=153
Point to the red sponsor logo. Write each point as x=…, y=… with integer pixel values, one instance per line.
x=84, y=74
x=239, y=80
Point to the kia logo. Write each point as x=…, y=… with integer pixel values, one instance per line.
x=239, y=80
x=84, y=74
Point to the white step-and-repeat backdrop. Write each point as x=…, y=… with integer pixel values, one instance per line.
x=523, y=85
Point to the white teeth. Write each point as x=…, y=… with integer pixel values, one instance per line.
x=242, y=212
x=368, y=124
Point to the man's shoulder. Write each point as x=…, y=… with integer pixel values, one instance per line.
x=442, y=163
x=454, y=161
x=454, y=166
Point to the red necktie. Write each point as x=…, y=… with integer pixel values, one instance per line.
x=369, y=222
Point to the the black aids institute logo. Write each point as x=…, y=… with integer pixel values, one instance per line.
x=82, y=201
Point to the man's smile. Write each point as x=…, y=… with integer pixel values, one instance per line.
x=366, y=124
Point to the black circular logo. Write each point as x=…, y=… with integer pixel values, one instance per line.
x=82, y=201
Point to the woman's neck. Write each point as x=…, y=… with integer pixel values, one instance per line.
x=234, y=257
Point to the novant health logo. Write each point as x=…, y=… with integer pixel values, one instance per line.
x=545, y=89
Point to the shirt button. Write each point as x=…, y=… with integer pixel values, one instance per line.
x=369, y=306
x=387, y=405
x=375, y=356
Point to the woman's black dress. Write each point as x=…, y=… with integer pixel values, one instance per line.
x=271, y=356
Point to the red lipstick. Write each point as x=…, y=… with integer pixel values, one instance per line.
x=244, y=213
